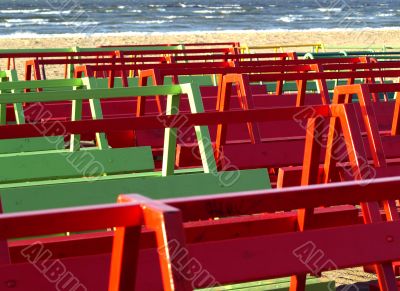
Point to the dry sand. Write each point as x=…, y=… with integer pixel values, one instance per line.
x=335, y=37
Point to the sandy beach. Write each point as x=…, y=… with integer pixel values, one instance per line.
x=364, y=38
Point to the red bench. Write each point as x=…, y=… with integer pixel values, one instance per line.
x=250, y=240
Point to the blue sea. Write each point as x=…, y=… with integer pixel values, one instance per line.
x=43, y=17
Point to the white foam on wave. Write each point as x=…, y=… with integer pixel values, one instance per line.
x=54, y=12
x=232, y=11
x=77, y=23
x=19, y=21
x=290, y=18
x=157, y=5
x=333, y=9
x=386, y=14
x=188, y=5
x=36, y=12
x=204, y=11
x=17, y=11
x=149, y=21
x=359, y=18
x=40, y=21
x=173, y=16
x=236, y=7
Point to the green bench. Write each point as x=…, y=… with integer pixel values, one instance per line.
x=380, y=56
x=280, y=284
x=41, y=177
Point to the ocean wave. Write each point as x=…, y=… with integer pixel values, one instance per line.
x=149, y=21
x=78, y=23
x=290, y=18
x=54, y=12
x=204, y=11
x=157, y=5
x=187, y=5
x=358, y=18
x=19, y=21
x=386, y=14
x=225, y=7
x=17, y=11
x=36, y=12
x=232, y=11
x=174, y=16
x=332, y=9
x=25, y=22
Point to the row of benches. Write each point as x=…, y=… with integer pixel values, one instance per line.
x=301, y=137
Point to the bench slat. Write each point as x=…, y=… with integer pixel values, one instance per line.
x=77, y=192
x=8, y=146
x=65, y=164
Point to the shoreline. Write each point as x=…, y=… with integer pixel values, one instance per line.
x=28, y=35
